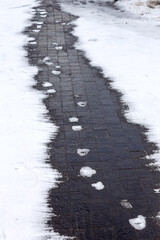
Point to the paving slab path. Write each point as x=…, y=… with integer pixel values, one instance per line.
x=93, y=133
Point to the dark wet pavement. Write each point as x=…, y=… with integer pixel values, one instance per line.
x=117, y=148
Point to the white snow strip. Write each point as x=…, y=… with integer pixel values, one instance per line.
x=82, y=104
x=36, y=30
x=56, y=72
x=87, y=172
x=47, y=84
x=33, y=43
x=51, y=91
x=124, y=203
x=82, y=152
x=31, y=39
x=58, y=67
x=98, y=186
x=138, y=223
x=77, y=128
x=37, y=22
x=25, y=177
x=73, y=119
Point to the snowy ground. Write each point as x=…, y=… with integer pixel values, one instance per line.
x=126, y=45
x=25, y=179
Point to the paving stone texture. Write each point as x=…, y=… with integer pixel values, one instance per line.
x=117, y=148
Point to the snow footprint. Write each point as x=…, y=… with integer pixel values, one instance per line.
x=124, y=203
x=82, y=152
x=47, y=84
x=54, y=72
x=51, y=91
x=87, y=172
x=98, y=186
x=138, y=223
x=47, y=61
x=58, y=48
x=73, y=119
x=82, y=104
x=77, y=128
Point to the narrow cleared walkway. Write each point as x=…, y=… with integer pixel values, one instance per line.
x=93, y=133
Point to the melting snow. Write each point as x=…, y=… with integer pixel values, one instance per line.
x=77, y=128
x=47, y=84
x=138, y=223
x=36, y=31
x=98, y=186
x=82, y=104
x=73, y=119
x=57, y=67
x=157, y=190
x=33, y=43
x=127, y=50
x=87, y=172
x=59, y=48
x=124, y=203
x=51, y=91
x=56, y=72
x=83, y=152
x=46, y=59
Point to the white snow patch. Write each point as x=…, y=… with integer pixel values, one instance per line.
x=77, y=128
x=83, y=152
x=51, y=91
x=82, y=104
x=87, y=172
x=157, y=190
x=73, y=119
x=47, y=84
x=33, y=43
x=46, y=59
x=58, y=67
x=124, y=203
x=59, y=48
x=56, y=72
x=37, y=22
x=25, y=177
x=39, y=26
x=49, y=63
x=98, y=186
x=31, y=39
x=138, y=223
x=36, y=30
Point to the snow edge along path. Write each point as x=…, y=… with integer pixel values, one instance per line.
x=128, y=58
x=25, y=178
x=126, y=47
